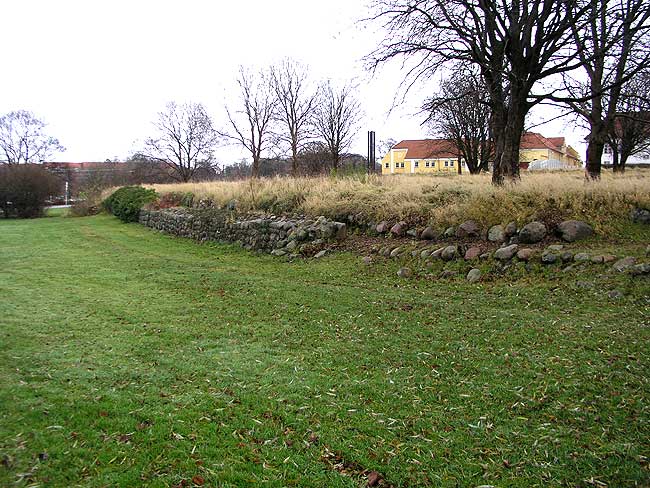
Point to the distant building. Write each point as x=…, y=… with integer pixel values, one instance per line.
x=422, y=156
x=632, y=130
x=640, y=159
x=535, y=147
x=442, y=155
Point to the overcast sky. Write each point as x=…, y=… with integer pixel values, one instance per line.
x=98, y=71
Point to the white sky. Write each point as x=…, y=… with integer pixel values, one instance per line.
x=98, y=71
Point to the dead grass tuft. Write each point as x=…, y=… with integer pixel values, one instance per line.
x=437, y=200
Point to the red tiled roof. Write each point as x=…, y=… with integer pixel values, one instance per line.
x=558, y=142
x=428, y=149
x=533, y=140
x=444, y=148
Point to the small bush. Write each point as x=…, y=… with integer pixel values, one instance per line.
x=88, y=204
x=126, y=202
x=25, y=188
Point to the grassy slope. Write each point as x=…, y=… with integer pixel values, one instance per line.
x=132, y=358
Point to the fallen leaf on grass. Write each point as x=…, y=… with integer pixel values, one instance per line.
x=373, y=478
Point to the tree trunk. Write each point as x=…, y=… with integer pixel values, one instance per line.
x=294, y=161
x=507, y=144
x=507, y=123
x=623, y=161
x=497, y=127
x=335, y=161
x=616, y=166
x=595, y=148
x=255, y=169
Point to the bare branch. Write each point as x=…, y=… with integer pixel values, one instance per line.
x=250, y=126
x=295, y=102
x=335, y=119
x=22, y=139
x=185, y=140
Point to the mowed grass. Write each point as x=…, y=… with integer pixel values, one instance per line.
x=129, y=358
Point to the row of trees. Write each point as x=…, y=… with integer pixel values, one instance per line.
x=459, y=112
x=577, y=53
x=630, y=132
x=278, y=110
x=508, y=57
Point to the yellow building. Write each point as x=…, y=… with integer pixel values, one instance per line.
x=442, y=156
x=536, y=147
x=422, y=156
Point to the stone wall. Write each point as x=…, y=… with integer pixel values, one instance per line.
x=278, y=235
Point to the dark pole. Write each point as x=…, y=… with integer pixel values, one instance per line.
x=371, y=151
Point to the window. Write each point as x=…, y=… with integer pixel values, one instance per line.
x=446, y=163
x=387, y=165
x=427, y=164
x=451, y=163
x=402, y=165
x=417, y=164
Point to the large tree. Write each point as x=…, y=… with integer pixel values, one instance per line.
x=613, y=48
x=294, y=104
x=23, y=139
x=185, y=140
x=630, y=132
x=250, y=125
x=336, y=120
x=460, y=112
x=515, y=44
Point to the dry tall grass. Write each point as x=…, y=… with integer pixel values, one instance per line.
x=438, y=200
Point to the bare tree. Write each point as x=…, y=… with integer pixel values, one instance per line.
x=295, y=103
x=630, y=132
x=460, y=112
x=385, y=145
x=251, y=124
x=314, y=158
x=336, y=118
x=514, y=44
x=613, y=48
x=185, y=140
x=23, y=140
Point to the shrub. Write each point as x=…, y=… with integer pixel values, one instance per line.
x=126, y=202
x=89, y=203
x=25, y=188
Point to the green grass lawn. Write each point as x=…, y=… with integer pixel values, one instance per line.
x=129, y=358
